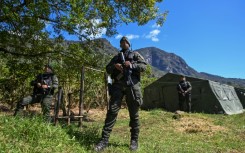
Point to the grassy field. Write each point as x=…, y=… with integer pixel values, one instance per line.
x=160, y=133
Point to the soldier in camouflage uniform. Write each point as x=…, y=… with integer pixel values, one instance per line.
x=184, y=91
x=44, y=86
x=128, y=85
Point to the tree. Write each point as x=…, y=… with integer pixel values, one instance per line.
x=26, y=26
x=33, y=33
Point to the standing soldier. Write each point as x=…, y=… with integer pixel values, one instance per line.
x=44, y=86
x=184, y=92
x=125, y=69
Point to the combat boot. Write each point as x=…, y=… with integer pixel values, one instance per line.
x=101, y=145
x=18, y=112
x=133, y=145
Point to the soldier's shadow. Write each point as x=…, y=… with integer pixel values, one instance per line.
x=88, y=137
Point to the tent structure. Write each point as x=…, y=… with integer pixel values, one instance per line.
x=207, y=96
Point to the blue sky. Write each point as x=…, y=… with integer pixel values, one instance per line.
x=208, y=34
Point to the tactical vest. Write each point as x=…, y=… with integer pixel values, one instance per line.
x=129, y=56
x=184, y=85
x=44, y=79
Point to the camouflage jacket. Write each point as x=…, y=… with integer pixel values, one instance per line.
x=48, y=79
x=137, y=61
x=184, y=86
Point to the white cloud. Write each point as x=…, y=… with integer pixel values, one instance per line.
x=129, y=36
x=153, y=35
x=154, y=39
x=119, y=36
x=156, y=26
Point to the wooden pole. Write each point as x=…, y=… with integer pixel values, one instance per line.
x=69, y=109
x=81, y=95
x=57, y=107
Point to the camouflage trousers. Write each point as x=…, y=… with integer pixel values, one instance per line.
x=45, y=101
x=133, y=101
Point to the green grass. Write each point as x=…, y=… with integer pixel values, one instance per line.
x=160, y=133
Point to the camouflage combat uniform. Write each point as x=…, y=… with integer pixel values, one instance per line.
x=120, y=88
x=184, y=92
x=44, y=96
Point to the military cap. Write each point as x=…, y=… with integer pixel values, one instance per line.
x=124, y=38
x=48, y=66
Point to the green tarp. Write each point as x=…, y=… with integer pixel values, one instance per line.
x=207, y=96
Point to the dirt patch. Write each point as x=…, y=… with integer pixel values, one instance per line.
x=96, y=114
x=197, y=125
x=100, y=114
x=4, y=109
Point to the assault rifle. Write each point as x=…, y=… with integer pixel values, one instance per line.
x=182, y=91
x=41, y=81
x=127, y=72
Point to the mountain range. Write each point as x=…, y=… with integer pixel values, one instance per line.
x=163, y=62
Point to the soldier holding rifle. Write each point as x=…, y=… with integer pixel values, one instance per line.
x=184, y=92
x=125, y=69
x=44, y=86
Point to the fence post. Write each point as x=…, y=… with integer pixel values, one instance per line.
x=69, y=109
x=57, y=107
x=81, y=96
